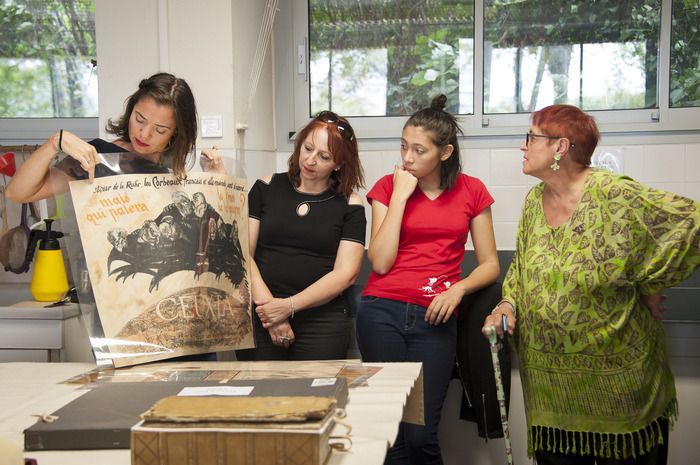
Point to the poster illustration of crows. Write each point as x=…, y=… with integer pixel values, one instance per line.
x=189, y=234
x=168, y=263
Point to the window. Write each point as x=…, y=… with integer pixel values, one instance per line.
x=685, y=54
x=634, y=64
x=386, y=58
x=599, y=55
x=377, y=58
x=47, y=59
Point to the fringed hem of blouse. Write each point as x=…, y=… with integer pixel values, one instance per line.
x=608, y=445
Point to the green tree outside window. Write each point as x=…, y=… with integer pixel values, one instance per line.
x=381, y=57
x=47, y=59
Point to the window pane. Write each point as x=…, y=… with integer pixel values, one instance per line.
x=47, y=52
x=377, y=58
x=685, y=54
x=596, y=55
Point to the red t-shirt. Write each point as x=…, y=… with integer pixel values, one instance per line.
x=431, y=242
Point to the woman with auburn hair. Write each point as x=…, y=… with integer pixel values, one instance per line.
x=306, y=234
x=595, y=251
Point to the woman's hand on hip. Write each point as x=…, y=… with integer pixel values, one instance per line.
x=655, y=304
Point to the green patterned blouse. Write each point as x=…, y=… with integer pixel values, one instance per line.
x=592, y=357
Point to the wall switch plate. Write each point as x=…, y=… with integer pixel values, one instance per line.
x=212, y=126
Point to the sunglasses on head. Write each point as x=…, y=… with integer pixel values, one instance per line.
x=344, y=128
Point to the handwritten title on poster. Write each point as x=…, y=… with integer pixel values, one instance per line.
x=122, y=205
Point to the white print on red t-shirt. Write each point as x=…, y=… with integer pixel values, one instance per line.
x=435, y=286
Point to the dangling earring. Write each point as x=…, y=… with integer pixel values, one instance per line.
x=337, y=169
x=555, y=166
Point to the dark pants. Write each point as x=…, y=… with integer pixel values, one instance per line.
x=393, y=331
x=656, y=456
x=320, y=333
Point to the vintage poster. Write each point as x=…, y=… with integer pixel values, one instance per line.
x=168, y=263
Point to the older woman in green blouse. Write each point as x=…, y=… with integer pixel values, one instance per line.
x=595, y=250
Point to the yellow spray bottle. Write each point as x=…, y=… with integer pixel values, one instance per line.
x=49, y=281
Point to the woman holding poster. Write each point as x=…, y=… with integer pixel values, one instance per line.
x=156, y=134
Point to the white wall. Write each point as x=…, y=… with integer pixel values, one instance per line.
x=136, y=38
x=209, y=44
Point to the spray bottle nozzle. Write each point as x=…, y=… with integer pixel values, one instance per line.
x=47, y=239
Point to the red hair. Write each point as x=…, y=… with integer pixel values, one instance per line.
x=344, y=151
x=570, y=122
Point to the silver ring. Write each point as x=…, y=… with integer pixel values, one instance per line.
x=283, y=338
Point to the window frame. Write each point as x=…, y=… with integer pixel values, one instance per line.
x=661, y=119
x=37, y=130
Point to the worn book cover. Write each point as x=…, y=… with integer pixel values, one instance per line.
x=235, y=431
x=254, y=443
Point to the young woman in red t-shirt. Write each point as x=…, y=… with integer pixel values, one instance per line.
x=421, y=217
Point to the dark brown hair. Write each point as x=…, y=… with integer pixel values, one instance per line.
x=444, y=129
x=570, y=122
x=342, y=145
x=166, y=89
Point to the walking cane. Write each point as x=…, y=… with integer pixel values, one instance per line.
x=500, y=393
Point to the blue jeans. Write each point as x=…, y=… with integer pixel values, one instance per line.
x=393, y=331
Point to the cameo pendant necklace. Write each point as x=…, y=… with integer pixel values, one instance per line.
x=304, y=206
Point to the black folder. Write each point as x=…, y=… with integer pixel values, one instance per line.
x=102, y=417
